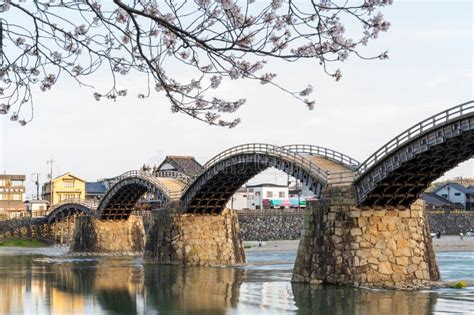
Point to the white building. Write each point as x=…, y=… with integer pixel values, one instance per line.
x=259, y=196
x=37, y=207
x=238, y=200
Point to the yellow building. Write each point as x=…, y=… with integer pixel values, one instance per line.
x=65, y=187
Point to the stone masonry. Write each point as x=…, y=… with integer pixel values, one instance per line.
x=30, y=228
x=195, y=239
x=270, y=225
x=105, y=236
x=367, y=247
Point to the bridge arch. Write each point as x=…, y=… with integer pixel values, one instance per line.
x=71, y=207
x=397, y=173
x=120, y=200
x=224, y=174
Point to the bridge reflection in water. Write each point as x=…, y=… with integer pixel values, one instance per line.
x=127, y=285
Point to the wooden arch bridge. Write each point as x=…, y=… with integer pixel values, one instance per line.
x=394, y=176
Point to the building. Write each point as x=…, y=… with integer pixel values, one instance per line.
x=239, y=200
x=183, y=164
x=298, y=189
x=457, y=194
x=37, y=208
x=12, y=196
x=267, y=196
x=95, y=190
x=436, y=202
x=65, y=187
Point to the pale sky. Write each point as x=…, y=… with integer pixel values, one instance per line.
x=430, y=69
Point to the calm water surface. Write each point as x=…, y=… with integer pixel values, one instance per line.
x=35, y=284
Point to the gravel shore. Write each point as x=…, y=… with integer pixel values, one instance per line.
x=452, y=243
x=444, y=244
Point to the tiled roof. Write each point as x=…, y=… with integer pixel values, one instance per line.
x=37, y=201
x=12, y=177
x=266, y=185
x=184, y=164
x=461, y=188
x=95, y=188
x=70, y=174
x=435, y=200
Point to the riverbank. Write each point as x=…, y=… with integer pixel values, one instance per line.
x=44, y=251
x=19, y=242
x=444, y=244
x=452, y=243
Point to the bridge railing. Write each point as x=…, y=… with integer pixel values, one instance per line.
x=174, y=174
x=327, y=153
x=149, y=177
x=91, y=204
x=263, y=148
x=416, y=130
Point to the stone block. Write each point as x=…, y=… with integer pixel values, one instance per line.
x=402, y=261
x=356, y=231
x=381, y=244
x=385, y=268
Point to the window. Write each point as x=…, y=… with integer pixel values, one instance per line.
x=281, y=194
x=269, y=194
x=444, y=195
x=68, y=183
x=457, y=194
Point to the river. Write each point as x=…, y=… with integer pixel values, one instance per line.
x=47, y=282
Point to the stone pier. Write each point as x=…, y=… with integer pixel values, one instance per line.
x=195, y=239
x=342, y=244
x=107, y=236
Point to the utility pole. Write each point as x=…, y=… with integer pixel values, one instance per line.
x=50, y=163
x=298, y=192
x=37, y=184
x=1, y=40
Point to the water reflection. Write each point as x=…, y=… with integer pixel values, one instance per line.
x=59, y=285
x=345, y=300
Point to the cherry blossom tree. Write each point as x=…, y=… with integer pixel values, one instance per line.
x=209, y=41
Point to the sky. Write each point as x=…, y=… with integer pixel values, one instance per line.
x=430, y=69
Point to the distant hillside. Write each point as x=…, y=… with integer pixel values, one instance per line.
x=463, y=181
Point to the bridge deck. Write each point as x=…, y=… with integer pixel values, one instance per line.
x=174, y=185
x=337, y=173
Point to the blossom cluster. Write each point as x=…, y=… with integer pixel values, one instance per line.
x=215, y=41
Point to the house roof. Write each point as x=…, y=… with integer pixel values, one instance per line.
x=459, y=187
x=68, y=174
x=95, y=188
x=266, y=185
x=12, y=177
x=37, y=201
x=435, y=200
x=184, y=164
